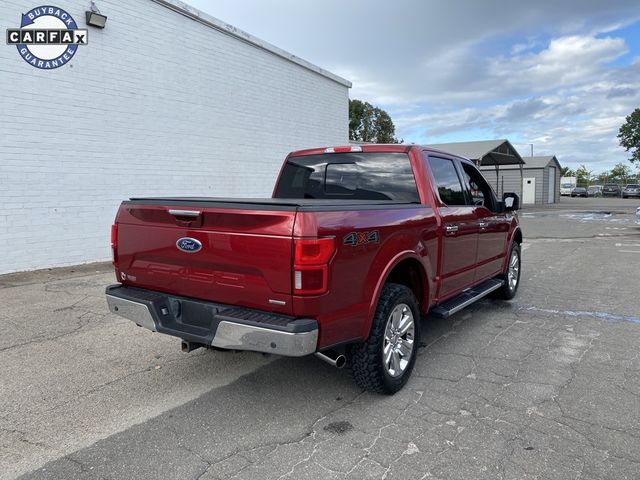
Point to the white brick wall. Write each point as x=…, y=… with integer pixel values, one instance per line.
x=156, y=104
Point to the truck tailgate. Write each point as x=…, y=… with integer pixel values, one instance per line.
x=244, y=259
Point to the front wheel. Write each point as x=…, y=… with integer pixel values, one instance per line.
x=512, y=276
x=384, y=362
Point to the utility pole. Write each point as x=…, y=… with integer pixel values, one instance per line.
x=531, y=149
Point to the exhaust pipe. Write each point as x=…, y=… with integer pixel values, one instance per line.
x=187, y=347
x=336, y=360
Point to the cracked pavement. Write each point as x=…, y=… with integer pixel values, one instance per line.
x=546, y=386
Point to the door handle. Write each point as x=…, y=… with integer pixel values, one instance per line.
x=484, y=225
x=450, y=229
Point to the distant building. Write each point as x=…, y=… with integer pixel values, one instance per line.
x=540, y=179
x=492, y=156
x=535, y=179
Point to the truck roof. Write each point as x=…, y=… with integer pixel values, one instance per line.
x=373, y=147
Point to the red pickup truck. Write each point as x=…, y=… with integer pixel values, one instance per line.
x=355, y=245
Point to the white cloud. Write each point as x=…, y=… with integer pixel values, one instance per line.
x=566, y=99
x=566, y=61
x=536, y=72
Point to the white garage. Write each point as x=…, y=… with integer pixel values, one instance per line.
x=165, y=100
x=540, y=179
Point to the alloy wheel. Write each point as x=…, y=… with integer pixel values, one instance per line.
x=514, y=270
x=399, y=339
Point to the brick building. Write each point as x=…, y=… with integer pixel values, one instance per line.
x=165, y=100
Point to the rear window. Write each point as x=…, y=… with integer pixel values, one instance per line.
x=352, y=175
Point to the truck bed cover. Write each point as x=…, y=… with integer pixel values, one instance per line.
x=303, y=204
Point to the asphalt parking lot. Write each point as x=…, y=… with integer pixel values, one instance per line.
x=545, y=386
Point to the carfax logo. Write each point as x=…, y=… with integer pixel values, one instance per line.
x=48, y=37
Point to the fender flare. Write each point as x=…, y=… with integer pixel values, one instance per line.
x=400, y=257
x=516, y=230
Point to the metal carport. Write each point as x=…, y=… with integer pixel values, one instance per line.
x=487, y=153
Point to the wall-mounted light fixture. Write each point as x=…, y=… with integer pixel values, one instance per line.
x=95, y=18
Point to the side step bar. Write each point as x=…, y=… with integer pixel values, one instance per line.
x=466, y=298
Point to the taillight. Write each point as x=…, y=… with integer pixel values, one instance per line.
x=114, y=242
x=114, y=235
x=310, y=265
x=317, y=251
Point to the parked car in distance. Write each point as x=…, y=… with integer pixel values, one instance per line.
x=594, y=191
x=611, y=190
x=567, y=184
x=356, y=244
x=579, y=192
x=631, y=190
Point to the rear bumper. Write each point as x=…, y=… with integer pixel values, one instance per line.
x=214, y=324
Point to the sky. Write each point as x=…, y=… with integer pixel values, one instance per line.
x=562, y=75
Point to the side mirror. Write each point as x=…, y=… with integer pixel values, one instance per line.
x=511, y=202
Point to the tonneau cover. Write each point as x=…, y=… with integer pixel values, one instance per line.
x=269, y=203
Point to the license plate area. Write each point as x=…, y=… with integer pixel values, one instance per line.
x=196, y=314
x=190, y=317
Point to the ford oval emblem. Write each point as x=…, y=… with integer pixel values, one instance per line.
x=188, y=245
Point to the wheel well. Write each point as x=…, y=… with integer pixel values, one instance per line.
x=518, y=237
x=409, y=273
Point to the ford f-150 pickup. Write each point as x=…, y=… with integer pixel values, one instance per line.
x=356, y=244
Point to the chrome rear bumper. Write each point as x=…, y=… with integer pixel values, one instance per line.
x=219, y=325
x=134, y=311
x=235, y=336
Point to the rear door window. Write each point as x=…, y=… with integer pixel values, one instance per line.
x=448, y=181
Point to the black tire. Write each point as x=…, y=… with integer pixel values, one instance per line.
x=368, y=366
x=509, y=289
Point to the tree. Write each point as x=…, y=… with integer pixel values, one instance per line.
x=620, y=172
x=584, y=175
x=370, y=124
x=629, y=135
x=567, y=172
x=603, y=177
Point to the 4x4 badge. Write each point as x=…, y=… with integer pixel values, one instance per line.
x=361, y=238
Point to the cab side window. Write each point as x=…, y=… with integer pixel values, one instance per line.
x=449, y=184
x=480, y=191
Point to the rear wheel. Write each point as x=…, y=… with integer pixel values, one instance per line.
x=512, y=276
x=385, y=361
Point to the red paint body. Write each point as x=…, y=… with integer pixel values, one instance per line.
x=247, y=254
